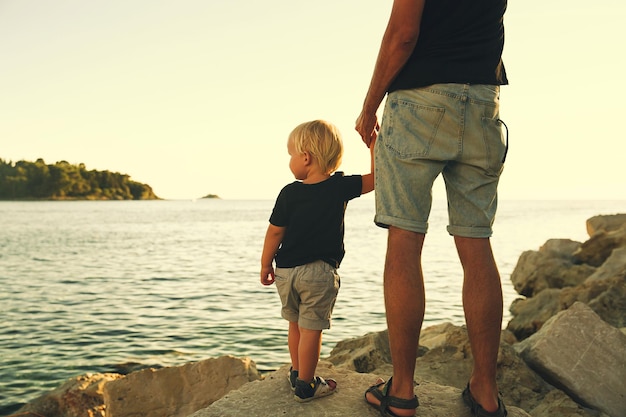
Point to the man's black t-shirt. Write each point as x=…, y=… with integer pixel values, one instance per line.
x=460, y=41
x=313, y=216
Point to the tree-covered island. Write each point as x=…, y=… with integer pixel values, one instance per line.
x=25, y=180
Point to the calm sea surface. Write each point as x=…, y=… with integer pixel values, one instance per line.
x=89, y=286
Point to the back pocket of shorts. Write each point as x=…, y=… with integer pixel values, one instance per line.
x=496, y=145
x=410, y=128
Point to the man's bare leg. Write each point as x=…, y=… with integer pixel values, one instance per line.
x=404, y=305
x=482, y=302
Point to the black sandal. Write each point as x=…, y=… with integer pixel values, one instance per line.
x=292, y=376
x=387, y=401
x=478, y=410
x=318, y=388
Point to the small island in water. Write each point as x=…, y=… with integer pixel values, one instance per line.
x=37, y=180
x=211, y=196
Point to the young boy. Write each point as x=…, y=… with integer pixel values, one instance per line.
x=305, y=238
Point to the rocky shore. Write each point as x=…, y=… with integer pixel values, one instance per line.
x=562, y=354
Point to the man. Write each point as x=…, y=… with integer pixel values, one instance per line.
x=440, y=64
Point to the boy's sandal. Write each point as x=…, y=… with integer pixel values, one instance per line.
x=478, y=410
x=386, y=400
x=318, y=388
x=292, y=376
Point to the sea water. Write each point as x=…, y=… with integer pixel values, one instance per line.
x=92, y=286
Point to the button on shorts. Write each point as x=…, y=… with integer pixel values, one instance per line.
x=448, y=129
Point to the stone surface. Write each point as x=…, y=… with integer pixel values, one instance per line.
x=446, y=360
x=599, y=247
x=563, y=272
x=177, y=391
x=77, y=397
x=557, y=403
x=552, y=266
x=362, y=354
x=577, y=351
x=607, y=298
x=273, y=397
x=614, y=266
x=531, y=313
x=606, y=222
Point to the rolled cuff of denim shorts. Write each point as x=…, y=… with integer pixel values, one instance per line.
x=473, y=232
x=404, y=224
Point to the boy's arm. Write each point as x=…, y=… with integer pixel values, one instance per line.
x=368, y=179
x=273, y=238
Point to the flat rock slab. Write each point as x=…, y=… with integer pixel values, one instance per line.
x=273, y=397
x=567, y=351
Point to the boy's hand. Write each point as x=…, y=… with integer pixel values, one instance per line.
x=267, y=275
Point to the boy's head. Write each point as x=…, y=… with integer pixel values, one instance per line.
x=322, y=141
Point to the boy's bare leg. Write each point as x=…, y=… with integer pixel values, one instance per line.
x=404, y=305
x=309, y=353
x=293, y=341
x=482, y=302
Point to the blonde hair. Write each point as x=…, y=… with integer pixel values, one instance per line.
x=322, y=140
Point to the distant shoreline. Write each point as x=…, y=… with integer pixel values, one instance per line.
x=38, y=181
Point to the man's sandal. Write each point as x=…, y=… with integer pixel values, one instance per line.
x=386, y=401
x=478, y=410
x=318, y=388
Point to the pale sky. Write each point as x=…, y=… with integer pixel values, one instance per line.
x=198, y=96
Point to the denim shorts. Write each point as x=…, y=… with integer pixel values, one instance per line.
x=308, y=294
x=448, y=129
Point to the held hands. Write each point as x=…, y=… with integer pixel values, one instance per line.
x=267, y=275
x=367, y=126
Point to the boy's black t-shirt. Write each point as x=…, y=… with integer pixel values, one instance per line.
x=313, y=216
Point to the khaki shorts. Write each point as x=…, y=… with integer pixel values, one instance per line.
x=448, y=129
x=308, y=294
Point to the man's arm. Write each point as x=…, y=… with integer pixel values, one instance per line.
x=397, y=45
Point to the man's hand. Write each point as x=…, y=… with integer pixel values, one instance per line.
x=367, y=126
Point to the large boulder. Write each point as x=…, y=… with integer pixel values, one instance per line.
x=614, y=266
x=177, y=391
x=165, y=392
x=77, y=397
x=552, y=266
x=584, y=356
x=600, y=245
x=605, y=222
x=529, y=314
x=563, y=272
x=607, y=298
x=362, y=354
